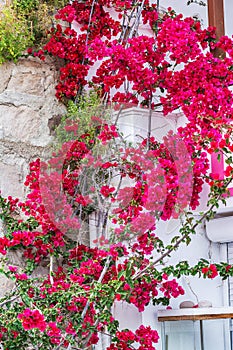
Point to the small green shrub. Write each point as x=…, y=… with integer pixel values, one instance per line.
x=39, y=15
x=15, y=35
x=81, y=113
x=25, y=6
x=25, y=23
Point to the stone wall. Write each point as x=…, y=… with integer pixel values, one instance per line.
x=27, y=108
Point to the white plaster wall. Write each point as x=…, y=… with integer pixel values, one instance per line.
x=205, y=289
x=202, y=11
x=133, y=122
x=216, y=291
x=217, y=334
x=180, y=6
x=228, y=7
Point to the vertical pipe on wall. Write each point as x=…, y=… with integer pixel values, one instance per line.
x=216, y=19
x=225, y=294
x=216, y=16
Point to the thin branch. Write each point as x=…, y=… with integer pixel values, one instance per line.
x=89, y=335
x=104, y=333
x=9, y=300
x=99, y=281
x=126, y=27
x=51, y=270
x=89, y=22
x=137, y=20
x=191, y=289
x=180, y=240
x=118, y=114
x=149, y=124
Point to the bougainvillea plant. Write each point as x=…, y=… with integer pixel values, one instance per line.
x=126, y=188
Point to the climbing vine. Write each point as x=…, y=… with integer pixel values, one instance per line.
x=96, y=179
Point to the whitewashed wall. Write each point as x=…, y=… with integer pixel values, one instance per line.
x=202, y=11
x=132, y=123
x=215, y=291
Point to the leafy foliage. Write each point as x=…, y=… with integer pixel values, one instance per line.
x=39, y=15
x=15, y=35
x=23, y=24
x=198, y=2
x=79, y=114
